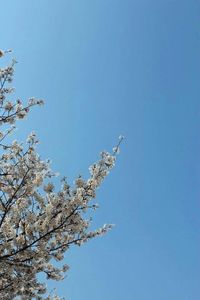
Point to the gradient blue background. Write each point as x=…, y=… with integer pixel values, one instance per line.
x=115, y=67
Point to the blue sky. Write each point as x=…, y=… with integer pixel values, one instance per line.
x=115, y=67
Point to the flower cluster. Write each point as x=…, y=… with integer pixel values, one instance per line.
x=37, y=223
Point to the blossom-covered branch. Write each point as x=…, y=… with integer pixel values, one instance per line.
x=37, y=223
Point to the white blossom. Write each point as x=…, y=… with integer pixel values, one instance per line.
x=37, y=223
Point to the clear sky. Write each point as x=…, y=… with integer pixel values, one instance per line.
x=110, y=67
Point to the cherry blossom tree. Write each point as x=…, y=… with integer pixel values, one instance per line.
x=37, y=223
